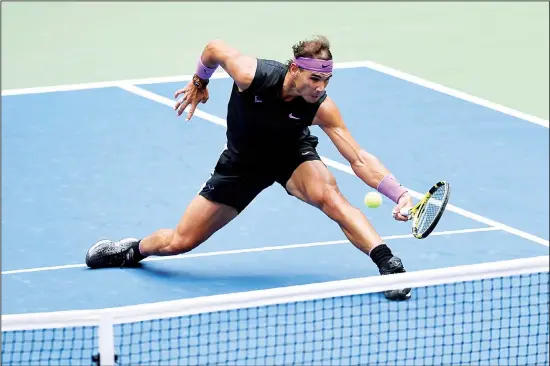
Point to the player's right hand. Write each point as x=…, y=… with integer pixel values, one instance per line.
x=191, y=97
x=405, y=202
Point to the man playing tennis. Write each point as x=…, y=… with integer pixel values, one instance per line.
x=269, y=113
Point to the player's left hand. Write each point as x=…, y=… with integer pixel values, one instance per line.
x=191, y=97
x=404, y=202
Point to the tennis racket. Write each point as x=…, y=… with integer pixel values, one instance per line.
x=426, y=214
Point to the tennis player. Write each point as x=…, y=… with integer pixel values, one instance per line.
x=269, y=113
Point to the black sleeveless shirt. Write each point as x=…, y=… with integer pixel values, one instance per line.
x=260, y=123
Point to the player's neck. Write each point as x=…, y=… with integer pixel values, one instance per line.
x=289, y=91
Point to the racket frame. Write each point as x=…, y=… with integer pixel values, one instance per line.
x=417, y=210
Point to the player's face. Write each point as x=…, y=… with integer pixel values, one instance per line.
x=312, y=85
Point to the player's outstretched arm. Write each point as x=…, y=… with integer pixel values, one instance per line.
x=365, y=165
x=216, y=53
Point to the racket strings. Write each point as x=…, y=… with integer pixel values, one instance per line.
x=431, y=209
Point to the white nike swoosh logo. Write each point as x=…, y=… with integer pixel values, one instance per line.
x=293, y=117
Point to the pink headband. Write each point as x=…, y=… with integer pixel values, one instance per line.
x=314, y=64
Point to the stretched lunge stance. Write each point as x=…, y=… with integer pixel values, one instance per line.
x=269, y=113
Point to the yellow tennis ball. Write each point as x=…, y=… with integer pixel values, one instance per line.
x=373, y=199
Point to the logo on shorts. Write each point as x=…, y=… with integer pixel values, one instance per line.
x=257, y=99
x=293, y=116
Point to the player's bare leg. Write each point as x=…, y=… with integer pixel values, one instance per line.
x=201, y=219
x=313, y=183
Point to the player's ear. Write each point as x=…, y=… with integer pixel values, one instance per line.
x=294, y=69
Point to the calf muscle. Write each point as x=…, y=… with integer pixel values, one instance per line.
x=200, y=221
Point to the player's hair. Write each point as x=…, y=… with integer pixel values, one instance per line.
x=317, y=47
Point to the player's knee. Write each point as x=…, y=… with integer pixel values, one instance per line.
x=328, y=199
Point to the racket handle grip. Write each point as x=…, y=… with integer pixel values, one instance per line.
x=404, y=212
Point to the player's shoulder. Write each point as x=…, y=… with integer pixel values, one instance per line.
x=273, y=69
x=269, y=74
x=273, y=65
x=327, y=113
x=328, y=106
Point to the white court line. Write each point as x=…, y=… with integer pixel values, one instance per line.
x=251, y=250
x=345, y=168
x=455, y=209
x=220, y=74
x=455, y=93
x=339, y=65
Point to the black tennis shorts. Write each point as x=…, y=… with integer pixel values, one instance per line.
x=236, y=183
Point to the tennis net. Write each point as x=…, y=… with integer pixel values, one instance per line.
x=483, y=314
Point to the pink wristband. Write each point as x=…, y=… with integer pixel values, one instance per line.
x=391, y=188
x=204, y=72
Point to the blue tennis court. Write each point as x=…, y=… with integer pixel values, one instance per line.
x=82, y=165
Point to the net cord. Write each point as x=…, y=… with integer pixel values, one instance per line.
x=241, y=300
